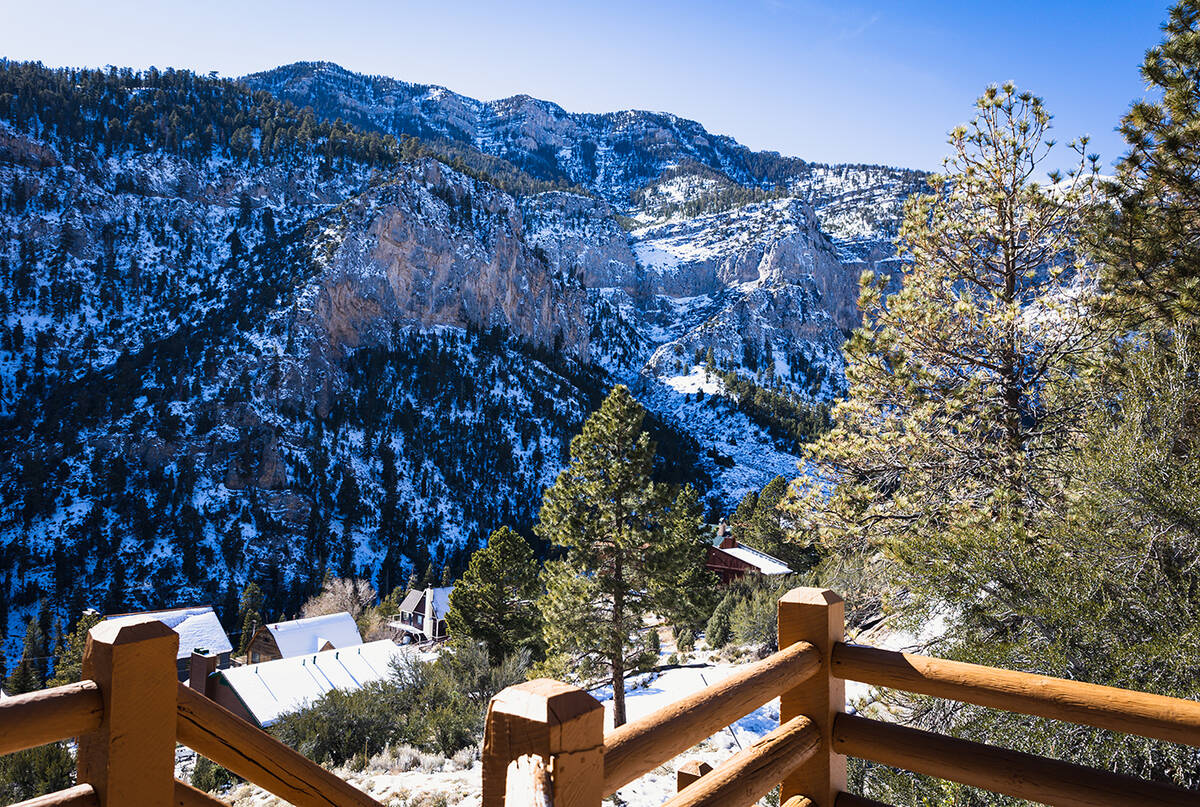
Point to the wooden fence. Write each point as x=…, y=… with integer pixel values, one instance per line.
x=129, y=713
x=545, y=741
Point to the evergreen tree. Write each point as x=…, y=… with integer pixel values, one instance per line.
x=952, y=424
x=68, y=663
x=250, y=614
x=495, y=601
x=620, y=563
x=29, y=674
x=1147, y=241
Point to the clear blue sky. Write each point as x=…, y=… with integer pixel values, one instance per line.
x=831, y=80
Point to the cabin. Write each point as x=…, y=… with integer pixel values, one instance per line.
x=301, y=637
x=422, y=616
x=732, y=561
x=198, y=629
x=262, y=693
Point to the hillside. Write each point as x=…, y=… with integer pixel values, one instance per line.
x=249, y=334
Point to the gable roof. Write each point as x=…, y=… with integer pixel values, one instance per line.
x=441, y=600
x=309, y=635
x=198, y=628
x=275, y=688
x=759, y=560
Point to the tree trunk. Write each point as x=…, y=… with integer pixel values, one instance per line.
x=618, y=640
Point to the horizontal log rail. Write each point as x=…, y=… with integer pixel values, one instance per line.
x=637, y=748
x=217, y=733
x=78, y=796
x=1155, y=716
x=753, y=772
x=188, y=796
x=1012, y=773
x=49, y=715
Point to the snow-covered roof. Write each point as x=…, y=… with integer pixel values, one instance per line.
x=198, y=628
x=440, y=596
x=759, y=560
x=309, y=635
x=275, y=688
x=441, y=601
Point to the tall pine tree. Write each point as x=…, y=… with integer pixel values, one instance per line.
x=495, y=601
x=621, y=563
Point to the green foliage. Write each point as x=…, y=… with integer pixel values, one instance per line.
x=760, y=523
x=1146, y=242
x=35, y=772
x=30, y=672
x=718, y=630
x=437, y=706
x=68, y=664
x=211, y=777
x=685, y=640
x=249, y=614
x=786, y=417
x=630, y=550
x=495, y=601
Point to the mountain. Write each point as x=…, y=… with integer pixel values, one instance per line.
x=311, y=321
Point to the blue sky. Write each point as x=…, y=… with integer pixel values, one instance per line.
x=829, y=80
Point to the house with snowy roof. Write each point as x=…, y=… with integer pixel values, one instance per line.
x=422, y=616
x=731, y=561
x=199, y=630
x=262, y=693
x=300, y=637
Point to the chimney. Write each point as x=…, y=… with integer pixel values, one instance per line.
x=726, y=536
x=203, y=665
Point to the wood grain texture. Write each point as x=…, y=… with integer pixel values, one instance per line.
x=1023, y=776
x=78, y=796
x=37, y=718
x=188, y=796
x=639, y=747
x=798, y=801
x=560, y=723
x=851, y=800
x=251, y=753
x=1162, y=718
x=130, y=757
x=747, y=776
x=817, y=616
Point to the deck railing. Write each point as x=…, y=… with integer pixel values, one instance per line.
x=129, y=713
x=545, y=740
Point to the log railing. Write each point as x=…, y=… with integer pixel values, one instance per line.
x=554, y=731
x=129, y=713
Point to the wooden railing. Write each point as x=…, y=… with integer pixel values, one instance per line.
x=129, y=713
x=545, y=741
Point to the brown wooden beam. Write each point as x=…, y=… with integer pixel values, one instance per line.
x=49, y=715
x=1156, y=716
x=755, y=771
x=1023, y=776
x=639, y=747
x=78, y=796
x=217, y=733
x=188, y=796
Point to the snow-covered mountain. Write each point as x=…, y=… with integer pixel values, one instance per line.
x=248, y=334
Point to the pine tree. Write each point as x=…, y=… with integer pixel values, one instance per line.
x=953, y=422
x=28, y=675
x=68, y=664
x=250, y=614
x=495, y=601
x=1148, y=243
x=620, y=563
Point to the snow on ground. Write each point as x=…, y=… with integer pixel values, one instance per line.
x=696, y=379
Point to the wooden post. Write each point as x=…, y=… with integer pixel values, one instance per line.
x=817, y=616
x=562, y=724
x=130, y=758
x=689, y=772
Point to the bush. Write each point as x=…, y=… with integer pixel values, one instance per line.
x=685, y=640
x=437, y=706
x=717, y=631
x=211, y=777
